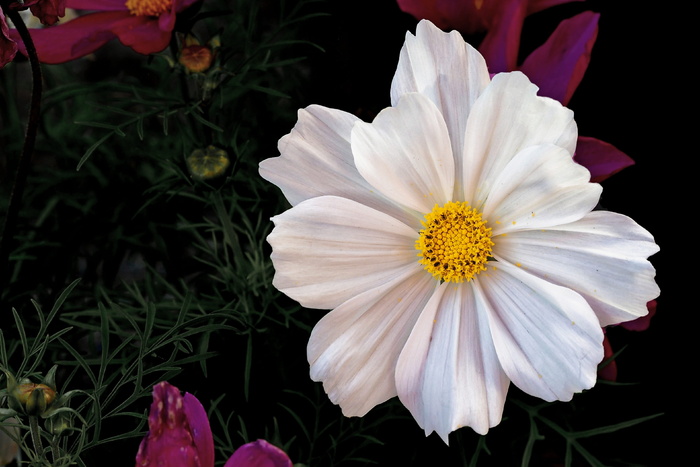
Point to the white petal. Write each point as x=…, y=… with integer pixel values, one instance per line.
x=448, y=71
x=448, y=374
x=316, y=160
x=354, y=348
x=603, y=257
x=328, y=249
x=507, y=118
x=405, y=154
x=548, y=339
x=540, y=187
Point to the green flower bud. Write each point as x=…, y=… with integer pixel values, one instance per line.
x=58, y=424
x=207, y=163
x=29, y=398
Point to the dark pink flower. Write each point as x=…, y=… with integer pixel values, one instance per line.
x=179, y=435
x=179, y=432
x=556, y=67
x=501, y=20
x=47, y=11
x=259, y=453
x=144, y=25
x=8, y=47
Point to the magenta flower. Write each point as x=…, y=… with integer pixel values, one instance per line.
x=259, y=453
x=47, y=11
x=556, y=67
x=144, y=25
x=502, y=20
x=179, y=432
x=179, y=435
x=8, y=47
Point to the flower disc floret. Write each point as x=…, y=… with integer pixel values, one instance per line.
x=455, y=243
x=148, y=7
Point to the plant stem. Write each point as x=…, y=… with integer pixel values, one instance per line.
x=36, y=436
x=8, y=230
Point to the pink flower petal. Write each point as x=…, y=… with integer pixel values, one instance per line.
x=76, y=38
x=200, y=429
x=641, y=324
x=97, y=5
x=8, y=47
x=169, y=440
x=600, y=158
x=143, y=33
x=538, y=5
x=558, y=65
x=259, y=453
x=609, y=371
x=502, y=42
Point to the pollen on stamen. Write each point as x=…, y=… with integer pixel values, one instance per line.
x=455, y=243
x=148, y=7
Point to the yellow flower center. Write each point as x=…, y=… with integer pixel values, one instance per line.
x=455, y=243
x=148, y=7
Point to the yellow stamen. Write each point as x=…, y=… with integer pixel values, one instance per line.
x=455, y=243
x=148, y=7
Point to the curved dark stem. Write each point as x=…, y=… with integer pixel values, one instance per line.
x=25, y=159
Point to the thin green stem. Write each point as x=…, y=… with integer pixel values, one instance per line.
x=36, y=436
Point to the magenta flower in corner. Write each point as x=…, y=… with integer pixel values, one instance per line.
x=144, y=25
x=179, y=435
x=178, y=431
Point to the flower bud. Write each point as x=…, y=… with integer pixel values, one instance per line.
x=195, y=57
x=207, y=163
x=35, y=399
x=59, y=424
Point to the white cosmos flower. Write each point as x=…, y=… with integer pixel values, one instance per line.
x=454, y=240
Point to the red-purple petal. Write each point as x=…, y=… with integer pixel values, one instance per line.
x=200, y=428
x=98, y=5
x=609, y=371
x=502, y=42
x=538, y=5
x=558, y=65
x=259, y=453
x=76, y=38
x=641, y=324
x=600, y=158
x=169, y=440
x=142, y=33
x=8, y=47
x=462, y=15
